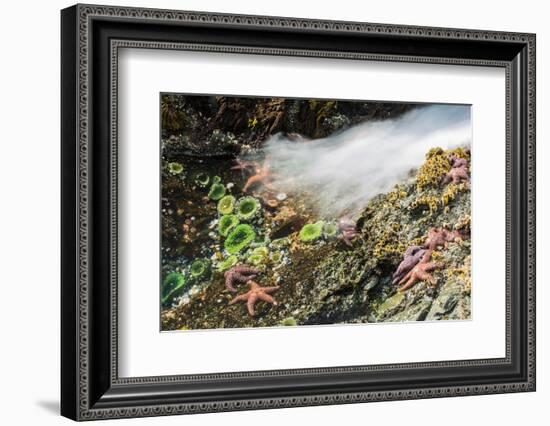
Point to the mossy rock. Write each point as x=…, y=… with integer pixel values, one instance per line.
x=239, y=238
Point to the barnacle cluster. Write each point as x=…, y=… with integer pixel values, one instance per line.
x=435, y=167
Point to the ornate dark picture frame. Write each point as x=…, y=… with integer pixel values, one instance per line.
x=91, y=37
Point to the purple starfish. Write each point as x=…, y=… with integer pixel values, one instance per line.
x=412, y=256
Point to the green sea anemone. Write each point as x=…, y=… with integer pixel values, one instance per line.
x=280, y=242
x=199, y=269
x=216, y=179
x=226, y=204
x=217, y=191
x=247, y=208
x=227, y=223
x=175, y=168
x=255, y=259
x=289, y=322
x=227, y=263
x=202, y=179
x=311, y=231
x=258, y=256
x=172, y=286
x=239, y=238
x=276, y=257
x=330, y=229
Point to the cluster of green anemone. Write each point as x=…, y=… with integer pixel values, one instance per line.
x=238, y=236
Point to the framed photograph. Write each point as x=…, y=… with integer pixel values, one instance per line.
x=263, y=212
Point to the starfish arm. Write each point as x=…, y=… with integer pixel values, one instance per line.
x=239, y=298
x=406, y=277
x=270, y=289
x=267, y=298
x=429, y=267
x=229, y=284
x=462, y=173
x=424, y=276
x=241, y=277
x=412, y=281
x=347, y=241
x=396, y=279
x=252, y=299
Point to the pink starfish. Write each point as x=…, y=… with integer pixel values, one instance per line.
x=240, y=274
x=255, y=294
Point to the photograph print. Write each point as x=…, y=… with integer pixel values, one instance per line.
x=294, y=212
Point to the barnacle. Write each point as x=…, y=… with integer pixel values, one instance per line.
x=435, y=167
x=429, y=201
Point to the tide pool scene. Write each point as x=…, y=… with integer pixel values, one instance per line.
x=279, y=212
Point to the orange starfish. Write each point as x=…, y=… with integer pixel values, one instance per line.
x=262, y=176
x=440, y=237
x=421, y=272
x=256, y=293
